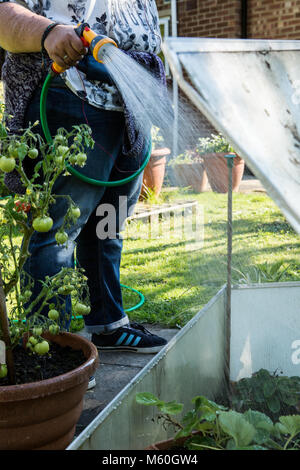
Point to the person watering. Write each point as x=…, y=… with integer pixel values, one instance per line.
x=34, y=33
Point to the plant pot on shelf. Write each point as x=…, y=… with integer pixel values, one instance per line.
x=191, y=174
x=43, y=415
x=154, y=172
x=216, y=168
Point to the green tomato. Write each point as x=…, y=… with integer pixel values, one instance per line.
x=53, y=314
x=61, y=238
x=66, y=290
x=60, y=139
x=42, y=348
x=42, y=224
x=7, y=164
x=3, y=371
x=53, y=329
x=33, y=153
x=62, y=149
x=33, y=340
x=81, y=159
x=27, y=295
x=73, y=159
x=81, y=309
x=75, y=212
x=37, y=331
x=59, y=160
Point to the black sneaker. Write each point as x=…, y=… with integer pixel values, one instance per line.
x=134, y=338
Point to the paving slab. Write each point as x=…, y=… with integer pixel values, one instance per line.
x=250, y=184
x=114, y=372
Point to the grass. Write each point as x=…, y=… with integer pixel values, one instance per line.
x=177, y=283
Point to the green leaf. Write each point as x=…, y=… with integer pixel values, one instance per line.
x=238, y=427
x=291, y=423
x=207, y=408
x=171, y=408
x=273, y=404
x=203, y=401
x=262, y=423
x=148, y=399
x=289, y=399
x=280, y=428
x=22, y=151
x=269, y=388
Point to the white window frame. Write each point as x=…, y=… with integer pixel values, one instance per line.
x=165, y=22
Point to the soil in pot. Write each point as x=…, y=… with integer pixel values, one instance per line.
x=42, y=415
x=32, y=368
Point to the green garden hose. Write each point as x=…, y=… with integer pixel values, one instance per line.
x=44, y=124
x=77, y=174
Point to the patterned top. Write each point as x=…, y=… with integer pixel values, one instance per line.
x=133, y=24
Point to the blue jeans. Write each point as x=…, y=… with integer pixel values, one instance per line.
x=99, y=257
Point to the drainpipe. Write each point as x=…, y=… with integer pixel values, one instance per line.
x=175, y=84
x=244, y=19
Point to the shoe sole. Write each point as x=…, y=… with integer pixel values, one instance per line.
x=153, y=350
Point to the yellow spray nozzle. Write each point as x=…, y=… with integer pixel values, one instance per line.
x=95, y=42
x=90, y=39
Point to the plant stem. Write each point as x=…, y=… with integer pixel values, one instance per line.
x=202, y=446
x=6, y=334
x=288, y=441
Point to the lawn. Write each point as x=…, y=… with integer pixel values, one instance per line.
x=176, y=283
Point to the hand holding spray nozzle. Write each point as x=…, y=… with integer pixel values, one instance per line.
x=90, y=39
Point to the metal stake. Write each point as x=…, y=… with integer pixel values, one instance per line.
x=230, y=164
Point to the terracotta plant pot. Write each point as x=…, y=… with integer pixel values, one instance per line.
x=43, y=415
x=191, y=174
x=154, y=172
x=216, y=168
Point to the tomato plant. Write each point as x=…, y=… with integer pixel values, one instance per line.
x=29, y=214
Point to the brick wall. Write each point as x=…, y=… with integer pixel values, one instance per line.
x=206, y=18
x=274, y=19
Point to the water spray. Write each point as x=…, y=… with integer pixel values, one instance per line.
x=97, y=44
